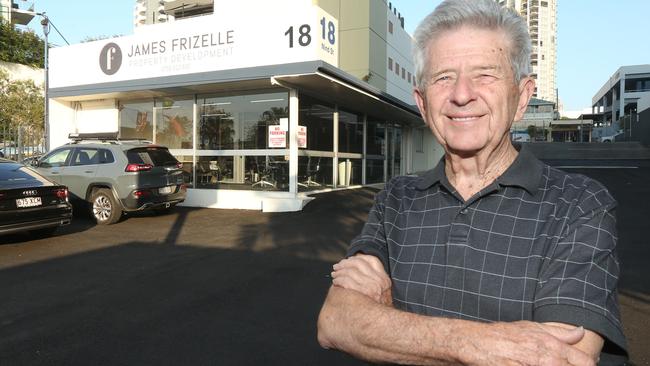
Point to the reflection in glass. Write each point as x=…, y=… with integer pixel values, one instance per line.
x=314, y=172
x=268, y=172
x=186, y=161
x=239, y=121
x=318, y=117
x=350, y=132
x=136, y=120
x=173, y=118
x=394, y=151
x=376, y=138
x=374, y=171
x=211, y=171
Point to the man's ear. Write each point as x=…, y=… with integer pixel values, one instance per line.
x=420, y=100
x=526, y=90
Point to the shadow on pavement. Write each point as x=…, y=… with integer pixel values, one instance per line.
x=208, y=287
x=142, y=304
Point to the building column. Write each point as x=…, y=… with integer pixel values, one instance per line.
x=621, y=96
x=293, y=141
x=335, y=144
x=364, y=149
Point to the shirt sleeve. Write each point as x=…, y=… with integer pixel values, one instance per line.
x=579, y=280
x=372, y=239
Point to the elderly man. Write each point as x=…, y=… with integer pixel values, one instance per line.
x=492, y=257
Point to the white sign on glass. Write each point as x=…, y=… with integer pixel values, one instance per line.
x=277, y=137
x=302, y=137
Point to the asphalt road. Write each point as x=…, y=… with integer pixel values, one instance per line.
x=228, y=287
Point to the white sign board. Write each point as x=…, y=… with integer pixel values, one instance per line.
x=277, y=137
x=302, y=137
x=234, y=37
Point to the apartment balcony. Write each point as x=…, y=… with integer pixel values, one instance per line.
x=187, y=8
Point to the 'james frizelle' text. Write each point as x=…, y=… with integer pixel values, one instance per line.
x=183, y=43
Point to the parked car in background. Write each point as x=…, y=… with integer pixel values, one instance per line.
x=13, y=152
x=30, y=201
x=610, y=137
x=520, y=137
x=116, y=176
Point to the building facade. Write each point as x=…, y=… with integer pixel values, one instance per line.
x=539, y=114
x=627, y=92
x=16, y=12
x=541, y=17
x=261, y=114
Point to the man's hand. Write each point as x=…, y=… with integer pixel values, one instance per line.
x=525, y=343
x=365, y=274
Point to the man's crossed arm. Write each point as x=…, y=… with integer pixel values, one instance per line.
x=358, y=318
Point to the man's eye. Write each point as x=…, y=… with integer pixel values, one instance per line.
x=486, y=77
x=443, y=78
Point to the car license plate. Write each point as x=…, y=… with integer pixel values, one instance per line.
x=28, y=202
x=165, y=190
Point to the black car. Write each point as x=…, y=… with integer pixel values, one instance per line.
x=31, y=202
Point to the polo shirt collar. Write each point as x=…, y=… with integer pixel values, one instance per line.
x=525, y=172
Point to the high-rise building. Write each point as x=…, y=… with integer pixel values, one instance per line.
x=541, y=17
x=161, y=11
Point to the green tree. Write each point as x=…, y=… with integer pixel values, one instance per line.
x=532, y=131
x=21, y=104
x=21, y=47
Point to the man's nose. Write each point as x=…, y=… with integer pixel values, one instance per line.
x=462, y=92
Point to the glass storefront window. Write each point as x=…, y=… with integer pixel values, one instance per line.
x=136, y=120
x=213, y=171
x=266, y=173
x=318, y=117
x=350, y=132
x=376, y=137
x=239, y=121
x=349, y=172
x=173, y=118
x=311, y=173
x=374, y=171
x=188, y=171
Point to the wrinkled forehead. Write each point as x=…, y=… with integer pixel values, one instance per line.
x=469, y=43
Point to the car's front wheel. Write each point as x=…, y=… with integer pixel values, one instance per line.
x=105, y=208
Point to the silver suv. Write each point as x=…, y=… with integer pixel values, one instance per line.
x=116, y=176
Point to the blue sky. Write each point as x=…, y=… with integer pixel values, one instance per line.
x=595, y=37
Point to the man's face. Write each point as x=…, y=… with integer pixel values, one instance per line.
x=471, y=97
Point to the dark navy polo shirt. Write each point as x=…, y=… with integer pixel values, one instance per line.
x=537, y=244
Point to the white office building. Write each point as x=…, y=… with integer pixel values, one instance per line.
x=261, y=113
x=626, y=92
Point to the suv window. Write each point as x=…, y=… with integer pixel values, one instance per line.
x=105, y=156
x=155, y=156
x=85, y=156
x=55, y=159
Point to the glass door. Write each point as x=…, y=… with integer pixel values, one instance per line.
x=394, y=151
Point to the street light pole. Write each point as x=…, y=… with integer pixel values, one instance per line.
x=45, y=22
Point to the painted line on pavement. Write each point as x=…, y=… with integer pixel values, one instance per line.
x=595, y=167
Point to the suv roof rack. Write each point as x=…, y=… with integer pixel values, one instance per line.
x=93, y=136
x=112, y=137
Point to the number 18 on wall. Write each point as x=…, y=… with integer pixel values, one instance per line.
x=302, y=35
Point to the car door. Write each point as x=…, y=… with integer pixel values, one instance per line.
x=53, y=165
x=81, y=170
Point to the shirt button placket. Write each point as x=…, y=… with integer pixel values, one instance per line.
x=460, y=227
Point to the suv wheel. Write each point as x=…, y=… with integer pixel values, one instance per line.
x=105, y=208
